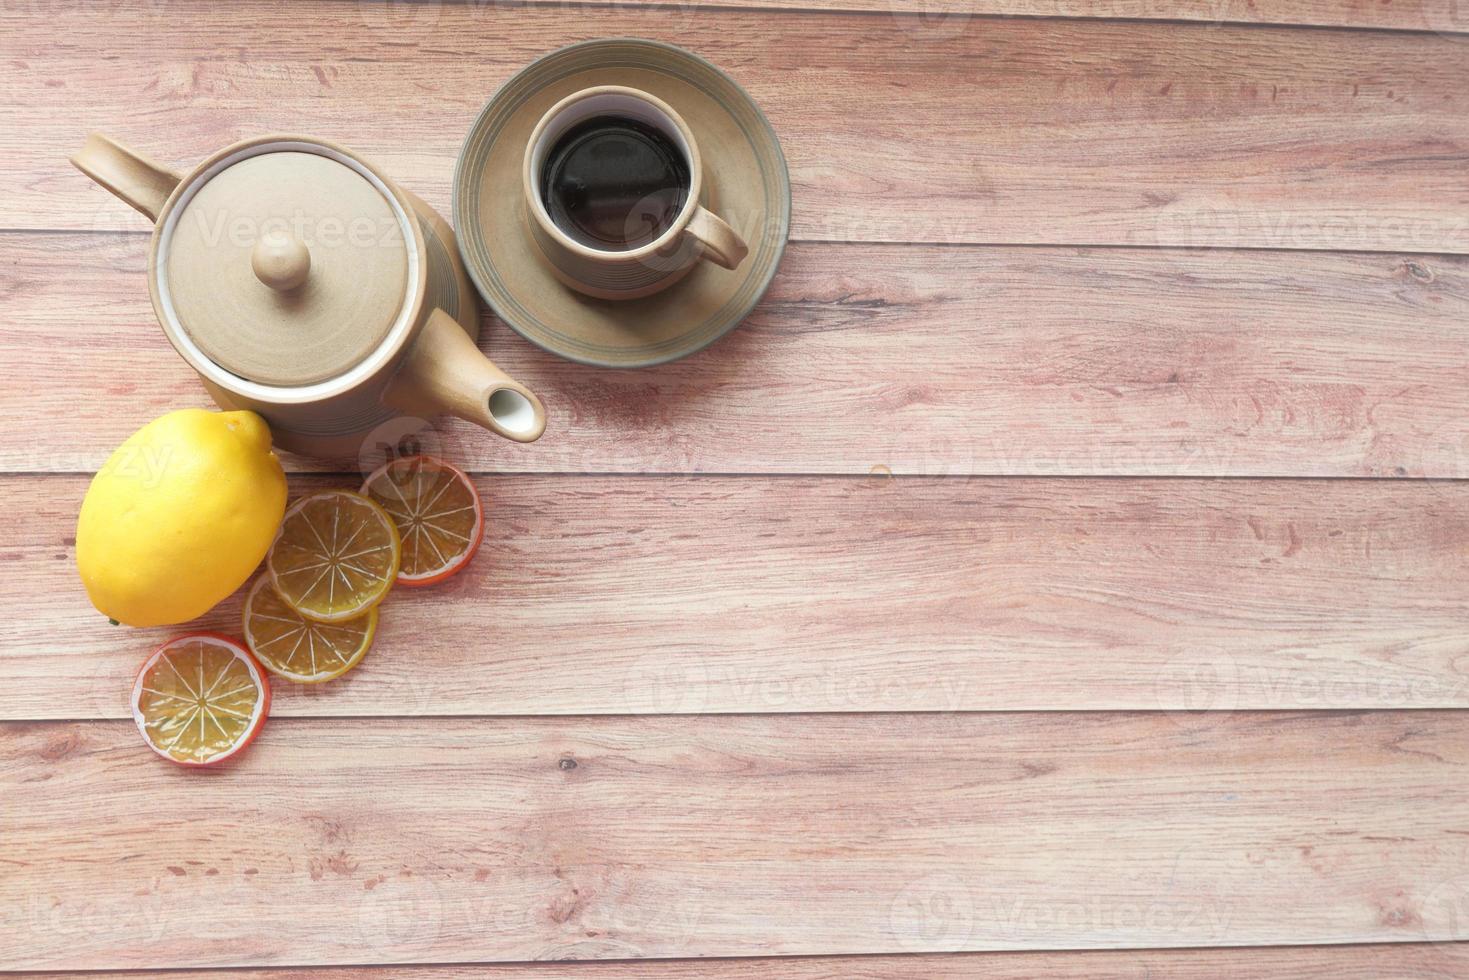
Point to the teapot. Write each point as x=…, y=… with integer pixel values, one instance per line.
x=301, y=283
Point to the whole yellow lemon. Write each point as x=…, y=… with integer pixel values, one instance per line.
x=179, y=516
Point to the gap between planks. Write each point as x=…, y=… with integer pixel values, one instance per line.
x=102, y=234
x=1420, y=961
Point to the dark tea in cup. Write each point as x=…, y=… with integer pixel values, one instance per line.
x=614, y=183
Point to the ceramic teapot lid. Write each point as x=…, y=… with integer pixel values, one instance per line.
x=286, y=264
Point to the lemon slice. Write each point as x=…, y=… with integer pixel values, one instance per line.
x=335, y=556
x=301, y=649
x=200, y=699
x=438, y=513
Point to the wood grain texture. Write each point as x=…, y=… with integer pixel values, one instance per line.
x=927, y=360
x=937, y=17
x=383, y=819
x=1395, y=961
x=377, y=840
x=896, y=129
x=614, y=596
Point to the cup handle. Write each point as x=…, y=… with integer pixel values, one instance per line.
x=722, y=244
x=141, y=182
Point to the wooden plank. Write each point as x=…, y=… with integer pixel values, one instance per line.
x=1418, y=961
x=924, y=360
x=941, y=17
x=937, y=17
x=1003, y=130
x=614, y=596
x=443, y=840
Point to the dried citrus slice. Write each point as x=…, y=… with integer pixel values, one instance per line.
x=438, y=513
x=301, y=649
x=335, y=556
x=200, y=699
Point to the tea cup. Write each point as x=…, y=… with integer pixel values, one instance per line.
x=681, y=238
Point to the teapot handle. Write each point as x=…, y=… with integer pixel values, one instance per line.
x=139, y=181
x=445, y=372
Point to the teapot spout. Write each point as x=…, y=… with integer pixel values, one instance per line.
x=139, y=181
x=446, y=372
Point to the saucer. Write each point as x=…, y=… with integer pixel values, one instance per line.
x=745, y=181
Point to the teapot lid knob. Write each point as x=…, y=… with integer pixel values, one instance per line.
x=280, y=260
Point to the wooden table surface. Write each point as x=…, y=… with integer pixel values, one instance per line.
x=1063, y=566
